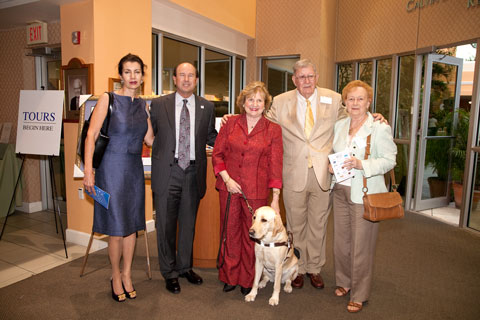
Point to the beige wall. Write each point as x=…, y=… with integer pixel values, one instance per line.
x=17, y=72
x=237, y=15
x=368, y=29
x=304, y=27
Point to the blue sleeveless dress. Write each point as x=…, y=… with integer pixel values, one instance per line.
x=121, y=171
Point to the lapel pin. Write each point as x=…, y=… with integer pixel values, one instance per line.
x=201, y=107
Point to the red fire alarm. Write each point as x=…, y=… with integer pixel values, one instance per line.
x=76, y=37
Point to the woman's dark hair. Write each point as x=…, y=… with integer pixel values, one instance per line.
x=131, y=58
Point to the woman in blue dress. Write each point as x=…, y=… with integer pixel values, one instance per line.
x=121, y=172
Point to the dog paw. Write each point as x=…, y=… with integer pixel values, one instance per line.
x=250, y=297
x=287, y=288
x=262, y=284
x=273, y=301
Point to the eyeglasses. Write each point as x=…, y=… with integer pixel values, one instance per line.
x=302, y=78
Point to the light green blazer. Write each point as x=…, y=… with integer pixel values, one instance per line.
x=382, y=157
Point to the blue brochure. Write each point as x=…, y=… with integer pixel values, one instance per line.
x=101, y=196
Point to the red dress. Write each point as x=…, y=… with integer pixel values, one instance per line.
x=255, y=162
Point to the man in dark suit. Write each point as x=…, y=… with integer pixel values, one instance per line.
x=183, y=124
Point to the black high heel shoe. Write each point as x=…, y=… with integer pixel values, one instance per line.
x=130, y=295
x=117, y=297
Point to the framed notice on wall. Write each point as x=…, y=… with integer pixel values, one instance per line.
x=76, y=79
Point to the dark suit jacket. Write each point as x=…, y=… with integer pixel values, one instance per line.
x=162, y=112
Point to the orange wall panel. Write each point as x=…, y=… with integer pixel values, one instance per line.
x=77, y=16
x=237, y=15
x=121, y=27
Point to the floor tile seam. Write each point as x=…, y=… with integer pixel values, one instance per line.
x=34, y=249
x=16, y=265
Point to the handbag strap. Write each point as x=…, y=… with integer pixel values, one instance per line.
x=109, y=111
x=367, y=154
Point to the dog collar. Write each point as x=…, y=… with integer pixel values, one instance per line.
x=273, y=244
x=287, y=243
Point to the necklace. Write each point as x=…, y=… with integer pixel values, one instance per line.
x=251, y=125
x=354, y=128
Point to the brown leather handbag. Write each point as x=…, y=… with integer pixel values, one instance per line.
x=381, y=206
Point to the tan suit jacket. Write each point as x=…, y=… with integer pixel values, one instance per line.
x=297, y=147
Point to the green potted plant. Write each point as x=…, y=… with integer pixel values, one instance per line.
x=458, y=153
x=435, y=154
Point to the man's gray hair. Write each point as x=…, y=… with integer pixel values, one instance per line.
x=304, y=63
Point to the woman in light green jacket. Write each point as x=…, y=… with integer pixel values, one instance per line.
x=354, y=237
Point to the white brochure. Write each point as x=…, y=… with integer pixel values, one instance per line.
x=337, y=160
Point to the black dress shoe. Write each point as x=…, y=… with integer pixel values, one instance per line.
x=245, y=291
x=192, y=277
x=172, y=285
x=228, y=287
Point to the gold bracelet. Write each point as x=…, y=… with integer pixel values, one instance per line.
x=277, y=192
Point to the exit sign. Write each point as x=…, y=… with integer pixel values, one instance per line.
x=37, y=33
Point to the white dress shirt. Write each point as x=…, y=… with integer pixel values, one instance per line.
x=302, y=107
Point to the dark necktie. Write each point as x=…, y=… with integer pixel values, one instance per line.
x=184, y=138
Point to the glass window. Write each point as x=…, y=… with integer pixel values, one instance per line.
x=365, y=71
x=154, y=64
x=344, y=76
x=382, y=87
x=277, y=74
x=216, y=70
x=474, y=217
x=217, y=80
x=406, y=75
x=238, y=81
x=53, y=74
x=175, y=52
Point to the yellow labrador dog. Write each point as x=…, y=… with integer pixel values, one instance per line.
x=274, y=257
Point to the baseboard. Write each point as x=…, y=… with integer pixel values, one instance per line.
x=98, y=243
x=82, y=238
x=30, y=207
x=150, y=225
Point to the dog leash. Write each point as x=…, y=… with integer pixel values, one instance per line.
x=223, y=237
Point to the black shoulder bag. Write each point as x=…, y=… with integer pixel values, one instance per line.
x=102, y=141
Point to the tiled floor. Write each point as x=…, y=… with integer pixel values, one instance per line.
x=30, y=245
x=450, y=214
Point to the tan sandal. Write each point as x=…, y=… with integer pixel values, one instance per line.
x=341, y=292
x=357, y=307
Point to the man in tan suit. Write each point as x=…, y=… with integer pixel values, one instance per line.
x=307, y=116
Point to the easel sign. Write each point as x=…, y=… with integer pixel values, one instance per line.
x=40, y=122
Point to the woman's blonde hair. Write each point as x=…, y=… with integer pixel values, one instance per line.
x=354, y=84
x=251, y=89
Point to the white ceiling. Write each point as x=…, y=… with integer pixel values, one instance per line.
x=16, y=13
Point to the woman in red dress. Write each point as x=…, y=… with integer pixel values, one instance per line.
x=247, y=158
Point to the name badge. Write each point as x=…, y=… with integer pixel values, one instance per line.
x=327, y=100
x=360, y=142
